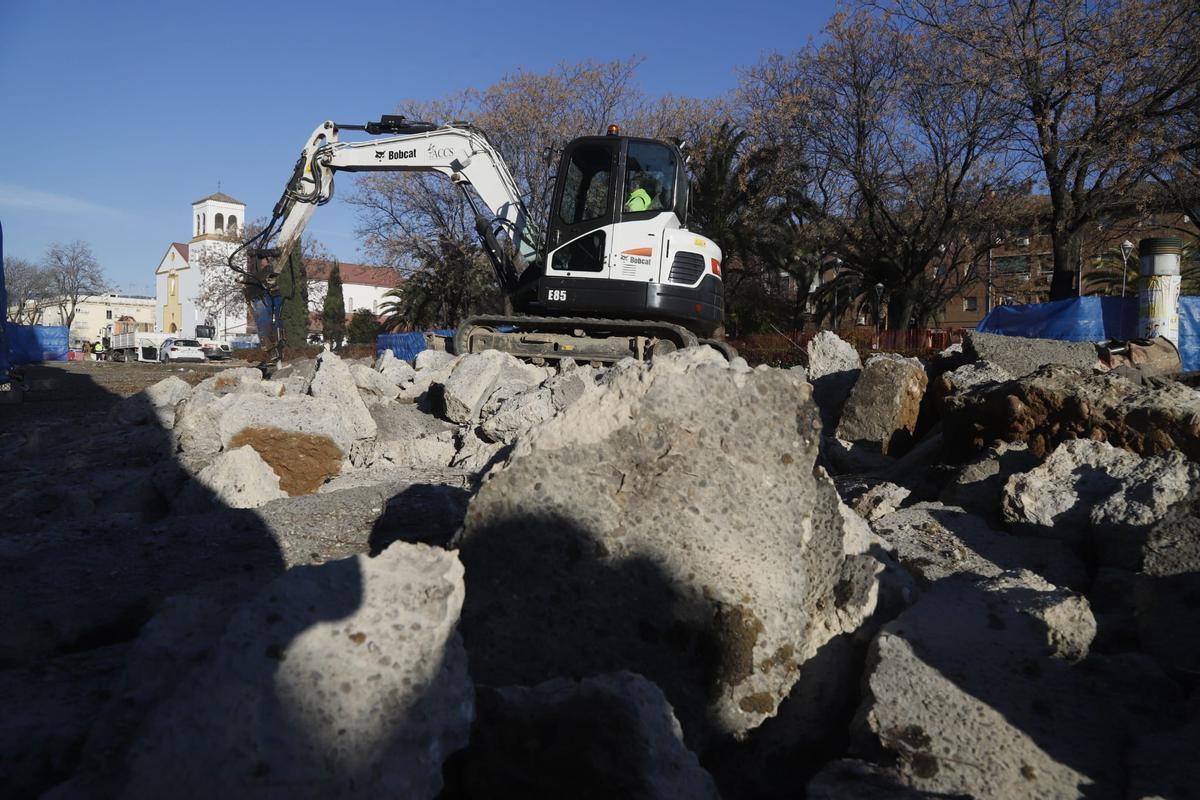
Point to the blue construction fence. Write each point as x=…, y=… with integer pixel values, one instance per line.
x=30, y=344
x=1093, y=319
x=404, y=346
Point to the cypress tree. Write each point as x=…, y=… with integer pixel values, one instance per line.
x=333, y=314
x=293, y=288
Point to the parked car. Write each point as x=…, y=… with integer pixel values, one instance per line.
x=216, y=351
x=181, y=350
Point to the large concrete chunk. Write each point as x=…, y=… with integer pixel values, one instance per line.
x=373, y=386
x=967, y=378
x=934, y=541
x=882, y=409
x=311, y=415
x=973, y=693
x=668, y=524
x=518, y=414
x=1019, y=355
x=472, y=380
x=1093, y=491
x=608, y=736
x=333, y=382
x=1056, y=404
x=1168, y=589
x=829, y=354
x=833, y=367
x=236, y=379
x=237, y=478
x=343, y=680
x=396, y=370
x=154, y=404
x=979, y=484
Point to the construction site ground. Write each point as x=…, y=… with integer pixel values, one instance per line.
x=77, y=391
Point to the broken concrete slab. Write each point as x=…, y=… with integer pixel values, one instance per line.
x=883, y=407
x=155, y=404
x=373, y=386
x=1056, y=404
x=396, y=370
x=1167, y=591
x=236, y=478
x=334, y=382
x=972, y=691
x=935, y=541
x=647, y=565
x=1092, y=491
x=1019, y=355
x=833, y=368
x=605, y=736
x=979, y=484
x=340, y=679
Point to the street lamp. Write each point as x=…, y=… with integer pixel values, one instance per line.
x=878, y=305
x=837, y=267
x=1126, y=249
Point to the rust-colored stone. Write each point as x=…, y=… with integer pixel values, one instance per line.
x=303, y=461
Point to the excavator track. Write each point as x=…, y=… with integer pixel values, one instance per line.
x=584, y=339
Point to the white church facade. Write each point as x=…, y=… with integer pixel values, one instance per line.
x=189, y=276
x=194, y=285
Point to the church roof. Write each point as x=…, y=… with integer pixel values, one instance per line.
x=182, y=248
x=220, y=197
x=359, y=274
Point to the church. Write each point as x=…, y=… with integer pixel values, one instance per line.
x=193, y=284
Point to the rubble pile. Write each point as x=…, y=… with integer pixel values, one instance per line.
x=470, y=577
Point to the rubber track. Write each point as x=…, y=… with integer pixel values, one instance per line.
x=680, y=335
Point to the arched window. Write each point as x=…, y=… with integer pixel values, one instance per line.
x=231, y=224
x=219, y=223
x=197, y=224
x=203, y=223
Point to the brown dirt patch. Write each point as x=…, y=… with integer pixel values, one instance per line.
x=303, y=461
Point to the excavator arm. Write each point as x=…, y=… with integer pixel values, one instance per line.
x=460, y=152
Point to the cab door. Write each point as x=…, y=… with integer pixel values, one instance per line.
x=581, y=222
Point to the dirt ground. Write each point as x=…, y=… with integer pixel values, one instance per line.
x=72, y=392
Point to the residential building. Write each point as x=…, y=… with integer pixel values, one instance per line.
x=95, y=315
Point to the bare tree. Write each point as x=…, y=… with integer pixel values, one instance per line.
x=1093, y=88
x=28, y=286
x=74, y=275
x=901, y=183
x=224, y=288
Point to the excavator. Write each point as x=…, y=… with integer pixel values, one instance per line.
x=615, y=273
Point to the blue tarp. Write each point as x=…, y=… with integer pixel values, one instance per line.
x=1093, y=319
x=404, y=346
x=28, y=344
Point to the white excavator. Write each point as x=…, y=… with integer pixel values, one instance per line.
x=614, y=274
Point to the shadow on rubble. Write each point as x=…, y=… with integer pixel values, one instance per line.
x=90, y=554
x=424, y=513
x=545, y=599
x=1081, y=715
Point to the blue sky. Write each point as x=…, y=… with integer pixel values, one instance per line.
x=120, y=114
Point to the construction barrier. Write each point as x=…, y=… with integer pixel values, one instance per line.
x=30, y=344
x=404, y=346
x=1093, y=319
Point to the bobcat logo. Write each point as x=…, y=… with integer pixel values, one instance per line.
x=379, y=155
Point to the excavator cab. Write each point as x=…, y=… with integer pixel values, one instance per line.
x=616, y=241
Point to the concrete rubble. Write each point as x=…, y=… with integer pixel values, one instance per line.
x=467, y=576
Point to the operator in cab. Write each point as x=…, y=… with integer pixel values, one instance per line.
x=639, y=198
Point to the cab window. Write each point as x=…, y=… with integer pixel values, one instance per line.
x=649, y=177
x=585, y=190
